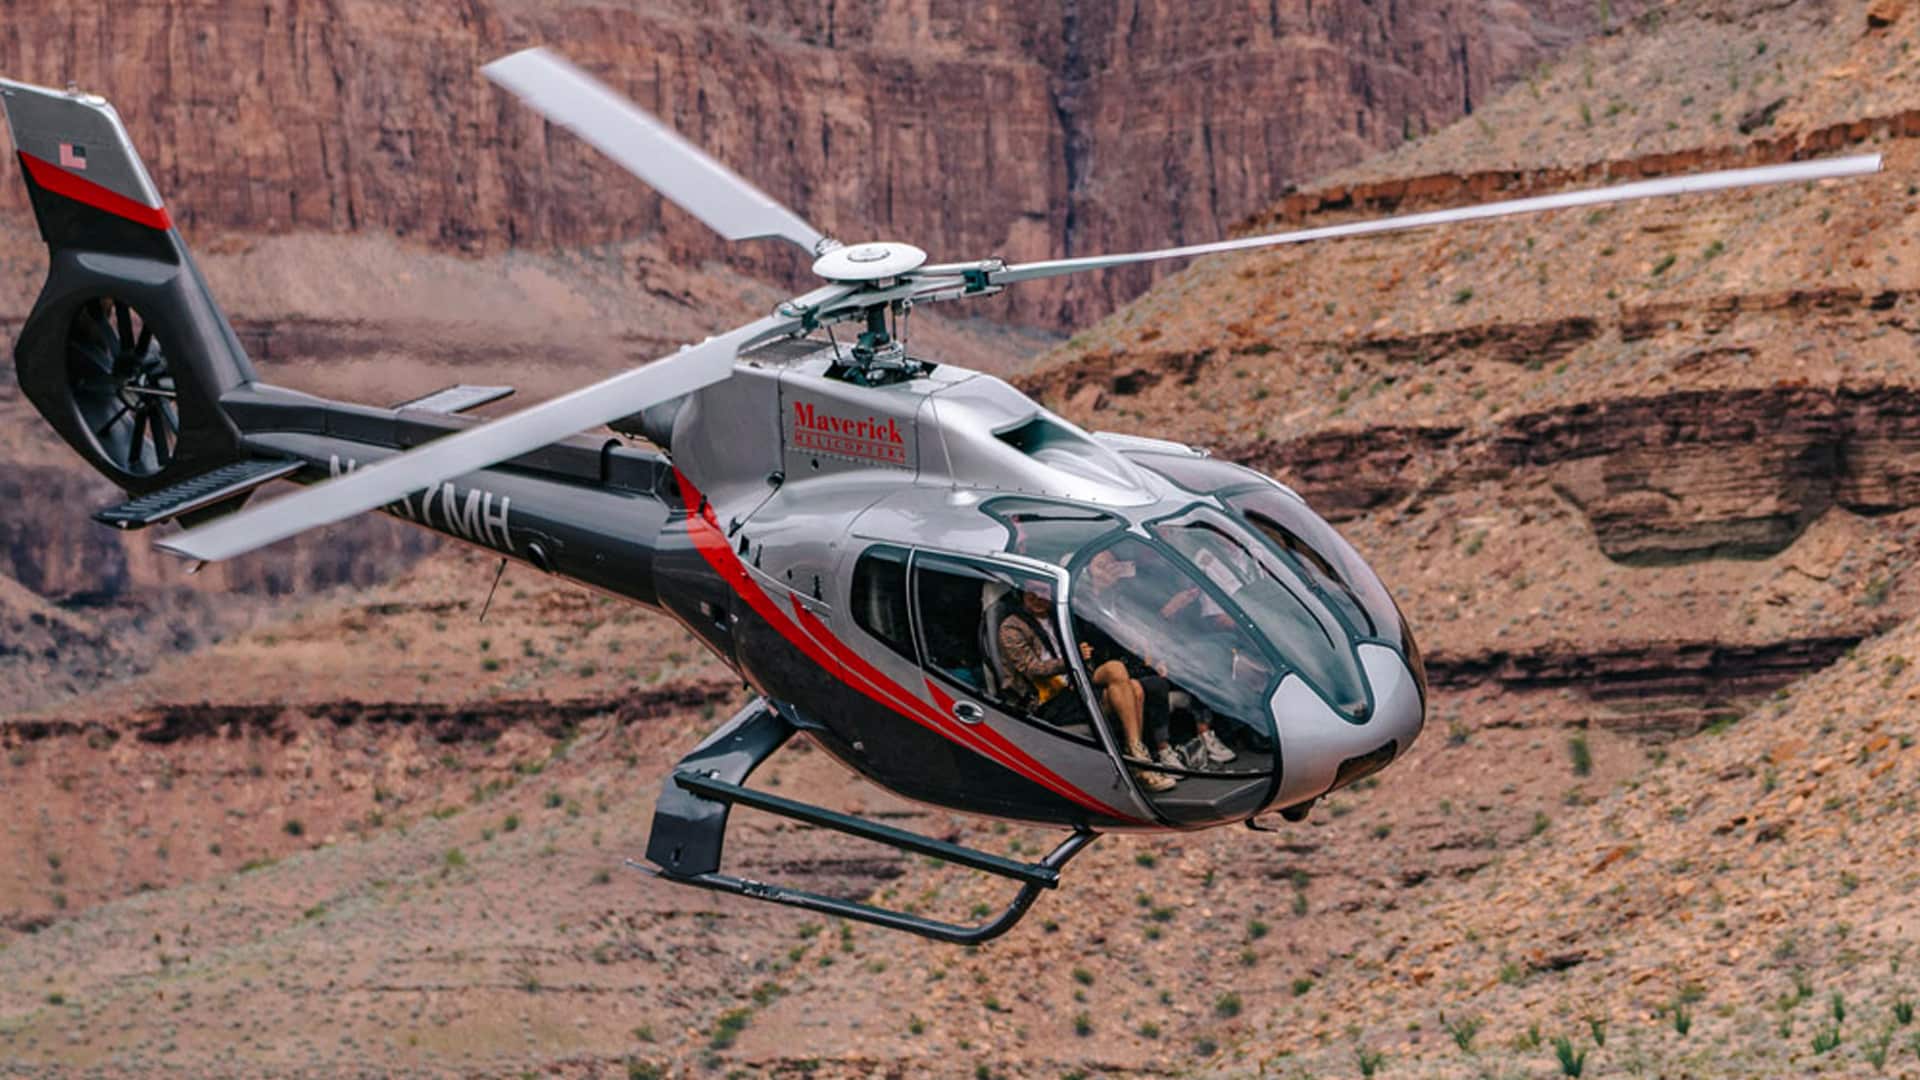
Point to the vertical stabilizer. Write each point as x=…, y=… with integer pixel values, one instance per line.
x=126, y=353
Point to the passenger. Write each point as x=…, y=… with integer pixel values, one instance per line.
x=1037, y=668
x=1031, y=652
x=1130, y=676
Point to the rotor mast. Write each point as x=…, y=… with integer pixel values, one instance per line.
x=877, y=269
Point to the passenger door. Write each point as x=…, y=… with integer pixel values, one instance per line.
x=959, y=605
x=932, y=617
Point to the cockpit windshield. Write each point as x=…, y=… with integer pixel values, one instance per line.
x=1143, y=609
x=1305, y=540
x=1183, y=682
x=1185, y=629
x=1311, y=639
x=1323, y=556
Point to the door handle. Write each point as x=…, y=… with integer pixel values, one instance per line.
x=968, y=713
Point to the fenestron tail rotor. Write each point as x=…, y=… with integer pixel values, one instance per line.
x=122, y=387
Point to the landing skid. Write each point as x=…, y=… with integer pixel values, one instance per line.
x=690, y=824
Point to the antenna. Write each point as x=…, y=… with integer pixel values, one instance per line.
x=835, y=338
x=497, y=574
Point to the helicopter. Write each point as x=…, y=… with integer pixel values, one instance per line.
x=960, y=595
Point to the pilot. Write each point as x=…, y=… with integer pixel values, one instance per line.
x=1032, y=654
x=1116, y=666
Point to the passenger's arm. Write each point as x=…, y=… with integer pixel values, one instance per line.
x=1180, y=601
x=1024, y=652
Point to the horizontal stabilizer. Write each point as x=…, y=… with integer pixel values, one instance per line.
x=457, y=399
x=196, y=493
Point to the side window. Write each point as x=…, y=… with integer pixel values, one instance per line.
x=880, y=598
x=952, y=599
x=963, y=609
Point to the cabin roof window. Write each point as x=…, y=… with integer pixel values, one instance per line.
x=1200, y=475
x=1051, y=531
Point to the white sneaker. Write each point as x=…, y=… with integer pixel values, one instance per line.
x=1169, y=757
x=1216, y=750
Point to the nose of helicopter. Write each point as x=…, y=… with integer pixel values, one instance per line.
x=1321, y=750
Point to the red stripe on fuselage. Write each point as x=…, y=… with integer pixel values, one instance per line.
x=812, y=637
x=80, y=189
x=981, y=738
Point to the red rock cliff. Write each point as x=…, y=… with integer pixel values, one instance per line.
x=973, y=128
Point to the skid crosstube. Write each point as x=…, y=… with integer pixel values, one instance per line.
x=690, y=823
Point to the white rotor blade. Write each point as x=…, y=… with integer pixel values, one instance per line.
x=1643, y=189
x=490, y=443
x=648, y=148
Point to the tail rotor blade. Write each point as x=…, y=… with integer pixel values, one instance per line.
x=648, y=149
x=391, y=479
x=1644, y=189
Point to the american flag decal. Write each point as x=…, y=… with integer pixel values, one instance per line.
x=73, y=156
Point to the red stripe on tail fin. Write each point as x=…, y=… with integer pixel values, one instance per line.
x=80, y=189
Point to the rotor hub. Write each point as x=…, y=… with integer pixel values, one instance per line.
x=876, y=261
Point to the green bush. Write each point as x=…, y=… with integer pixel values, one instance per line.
x=1572, y=1062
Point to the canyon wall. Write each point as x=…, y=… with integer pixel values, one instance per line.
x=1023, y=129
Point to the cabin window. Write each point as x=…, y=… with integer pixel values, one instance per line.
x=950, y=595
x=880, y=598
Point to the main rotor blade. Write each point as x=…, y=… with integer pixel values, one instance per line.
x=475, y=448
x=1643, y=189
x=648, y=148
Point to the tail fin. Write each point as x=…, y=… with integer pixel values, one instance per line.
x=125, y=353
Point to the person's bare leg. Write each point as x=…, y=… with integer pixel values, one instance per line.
x=1139, y=706
x=1109, y=673
x=1125, y=700
x=1118, y=691
x=1123, y=707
